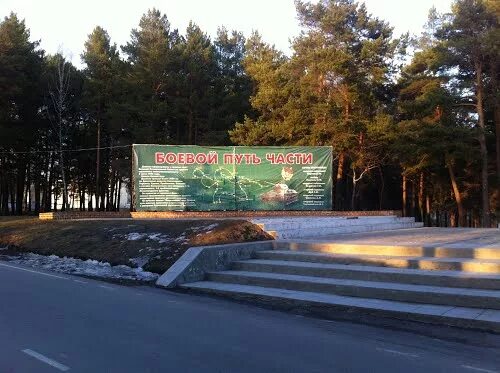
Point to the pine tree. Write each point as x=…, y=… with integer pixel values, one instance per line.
x=232, y=88
x=102, y=85
x=466, y=49
x=21, y=63
x=149, y=79
x=432, y=135
x=266, y=67
x=197, y=79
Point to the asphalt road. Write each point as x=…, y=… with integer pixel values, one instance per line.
x=51, y=323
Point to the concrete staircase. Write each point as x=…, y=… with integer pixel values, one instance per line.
x=304, y=227
x=452, y=286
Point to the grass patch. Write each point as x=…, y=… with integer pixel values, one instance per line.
x=153, y=245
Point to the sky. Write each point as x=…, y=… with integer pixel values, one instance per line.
x=63, y=25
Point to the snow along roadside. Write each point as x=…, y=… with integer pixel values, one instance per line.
x=73, y=266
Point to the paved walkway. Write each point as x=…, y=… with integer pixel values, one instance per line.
x=442, y=237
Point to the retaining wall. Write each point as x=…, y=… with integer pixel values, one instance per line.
x=60, y=215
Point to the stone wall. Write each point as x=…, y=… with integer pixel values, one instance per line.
x=204, y=214
x=193, y=265
x=70, y=215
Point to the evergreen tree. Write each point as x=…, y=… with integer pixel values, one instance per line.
x=21, y=64
x=432, y=136
x=197, y=79
x=266, y=67
x=149, y=79
x=466, y=49
x=232, y=88
x=102, y=86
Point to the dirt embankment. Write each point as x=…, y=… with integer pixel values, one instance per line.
x=153, y=245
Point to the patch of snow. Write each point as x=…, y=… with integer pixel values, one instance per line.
x=205, y=228
x=88, y=267
x=181, y=238
x=161, y=238
x=211, y=227
x=134, y=236
x=139, y=261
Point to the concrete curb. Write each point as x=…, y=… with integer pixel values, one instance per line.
x=353, y=309
x=197, y=261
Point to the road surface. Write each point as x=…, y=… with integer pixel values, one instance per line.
x=51, y=323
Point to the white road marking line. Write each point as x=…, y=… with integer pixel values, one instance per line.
x=479, y=369
x=397, y=352
x=46, y=360
x=81, y=282
x=106, y=287
x=29, y=270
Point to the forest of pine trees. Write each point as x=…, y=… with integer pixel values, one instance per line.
x=414, y=122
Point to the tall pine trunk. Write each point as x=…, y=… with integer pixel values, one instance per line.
x=98, y=160
x=119, y=195
x=339, y=190
x=353, y=195
x=37, y=188
x=5, y=187
x=190, y=126
x=496, y=118
x=485, y=200
x=63, y=176
x=421, y=191
x=381, y=189
x=20, y=182
x=404, y=195
x=428, y=209
x=457, y=194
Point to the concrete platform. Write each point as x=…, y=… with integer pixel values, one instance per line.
x=442, y=237
x=396, y=261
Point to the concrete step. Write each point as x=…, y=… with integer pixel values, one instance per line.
x=344, y=307
x=319, y=222
x=326, y=231
x=366, y=289
x=369, y=273
x=425, y=263
x=393, y=250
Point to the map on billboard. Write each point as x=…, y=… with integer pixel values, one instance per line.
x=197, y=178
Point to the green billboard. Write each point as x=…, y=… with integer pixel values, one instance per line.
x=198, y=178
